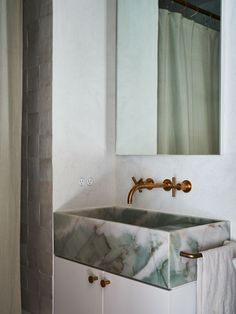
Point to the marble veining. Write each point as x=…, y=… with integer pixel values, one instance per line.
x=139, y=244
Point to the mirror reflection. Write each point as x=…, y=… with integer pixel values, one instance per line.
x=168, y=97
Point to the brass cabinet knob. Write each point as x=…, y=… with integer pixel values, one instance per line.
x=104, y=283
x=91, y=279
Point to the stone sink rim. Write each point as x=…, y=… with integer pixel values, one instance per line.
x=74, y=213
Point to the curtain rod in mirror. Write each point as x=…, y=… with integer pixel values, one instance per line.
x=197, y=9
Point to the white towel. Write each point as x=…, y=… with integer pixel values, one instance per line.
x=216, y=281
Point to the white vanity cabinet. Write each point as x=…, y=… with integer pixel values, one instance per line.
x=75, y=295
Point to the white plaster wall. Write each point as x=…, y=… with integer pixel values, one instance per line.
x=213, y=177
x=83, y=103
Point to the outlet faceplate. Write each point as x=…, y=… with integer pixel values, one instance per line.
x=81, y=181
x=90, y=181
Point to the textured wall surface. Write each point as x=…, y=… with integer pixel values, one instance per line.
x=83, y=103
x=36, y=205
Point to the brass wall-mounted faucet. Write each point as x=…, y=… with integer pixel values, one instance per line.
x=167, y=185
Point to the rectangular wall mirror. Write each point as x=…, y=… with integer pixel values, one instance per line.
x=168, y=77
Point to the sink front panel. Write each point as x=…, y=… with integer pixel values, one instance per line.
x=127, y=250
x=147, y=254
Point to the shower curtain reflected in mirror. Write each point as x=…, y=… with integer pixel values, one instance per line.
x=188, y=91
x=10, y=152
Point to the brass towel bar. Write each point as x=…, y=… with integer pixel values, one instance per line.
x=190, y=255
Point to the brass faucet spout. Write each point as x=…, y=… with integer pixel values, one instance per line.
x=131, y=193
x=140, y=185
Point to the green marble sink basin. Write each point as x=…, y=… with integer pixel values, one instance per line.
x=139, y=244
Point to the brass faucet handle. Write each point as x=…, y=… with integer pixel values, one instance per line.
x=137, y=182
x=173, y=181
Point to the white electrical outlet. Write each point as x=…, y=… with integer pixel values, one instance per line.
x=81, y=181
x=90, y=181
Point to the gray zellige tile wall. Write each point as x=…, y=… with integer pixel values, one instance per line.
x=36, y=192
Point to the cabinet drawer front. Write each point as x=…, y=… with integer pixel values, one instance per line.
x=74, y=294
x=130, y=297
